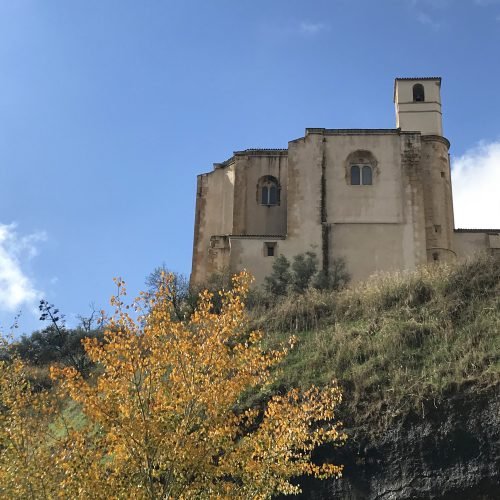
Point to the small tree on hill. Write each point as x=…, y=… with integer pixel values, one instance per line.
x=302, y=273
x=178, y=288
x=337, y=277
x=278, y=282
x=304, y=267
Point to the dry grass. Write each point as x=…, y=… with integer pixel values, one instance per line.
x=396, y=340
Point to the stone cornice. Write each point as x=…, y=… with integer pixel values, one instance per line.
x=267, y=152
x=257, y=236
x=438, y=138
x=353, y=131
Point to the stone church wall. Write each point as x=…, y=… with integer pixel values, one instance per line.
x=401, y=219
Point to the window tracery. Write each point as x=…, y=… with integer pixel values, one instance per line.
x=268, y=191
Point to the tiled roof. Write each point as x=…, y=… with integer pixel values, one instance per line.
x=466, y=230
x=257, y=150
x=419, y=78
x=258, y=236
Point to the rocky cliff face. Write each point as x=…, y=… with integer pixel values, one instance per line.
x=448, y=450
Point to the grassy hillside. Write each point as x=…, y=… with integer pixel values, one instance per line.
x=391, y=343
x=396, y=340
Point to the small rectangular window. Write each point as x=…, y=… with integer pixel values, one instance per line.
x=269, y=249
x=442, y=175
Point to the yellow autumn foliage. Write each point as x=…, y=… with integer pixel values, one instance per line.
x=161, y=412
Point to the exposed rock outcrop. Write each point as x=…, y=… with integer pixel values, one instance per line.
x=449, y=450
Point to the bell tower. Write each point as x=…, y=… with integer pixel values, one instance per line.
x=418, y=105
x=418, y=109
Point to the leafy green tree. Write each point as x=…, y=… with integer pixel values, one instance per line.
x=278, y=282
x=178, y=287
x=304, y=267
x=302, y=273
x=337, y=277
x=56, y=343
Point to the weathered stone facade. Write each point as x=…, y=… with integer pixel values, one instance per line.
x=378, y=198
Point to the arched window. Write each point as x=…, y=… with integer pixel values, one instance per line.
x=366, y=176
x=361, y=174
x=361, y=168
x=355, y=177
x=268, y=191
x=418, y=93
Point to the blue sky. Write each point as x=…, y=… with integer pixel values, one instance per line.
x=110, y=108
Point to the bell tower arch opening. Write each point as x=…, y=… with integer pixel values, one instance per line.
x=418, y=93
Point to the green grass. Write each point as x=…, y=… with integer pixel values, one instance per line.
x=391, y=343
x=396, y=340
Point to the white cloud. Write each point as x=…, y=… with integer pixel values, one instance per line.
x=427, y=21
x=308, y=28
x=434, y=4
x=16, y=288
x=476, y=184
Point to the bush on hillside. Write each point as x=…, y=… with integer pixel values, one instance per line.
x=302, y=273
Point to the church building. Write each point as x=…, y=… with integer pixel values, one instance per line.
x=381, y=199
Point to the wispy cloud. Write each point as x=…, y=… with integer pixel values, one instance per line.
x=426, y=11
x=476, y=178
x=16, y=288
x=485, y=3
x=443, y=4
x=309, y=28
x=435, y=4
x=426, y=20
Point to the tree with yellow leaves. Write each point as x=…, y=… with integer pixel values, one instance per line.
x=161, y=410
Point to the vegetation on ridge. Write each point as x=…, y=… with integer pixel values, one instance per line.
x=395, y=340
x=392, y=343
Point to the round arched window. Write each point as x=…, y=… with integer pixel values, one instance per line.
x=418, y=93
x=268, y=191
x=361, y=168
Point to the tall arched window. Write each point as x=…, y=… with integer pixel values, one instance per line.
x=355, y=177
x=366, y=175
x=418, y=93
x=268, y=191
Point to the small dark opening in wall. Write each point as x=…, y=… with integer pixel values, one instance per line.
x=442, y=175
x=437, y=229
x=269, y=249
x=418, y=93
x=435, y=256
